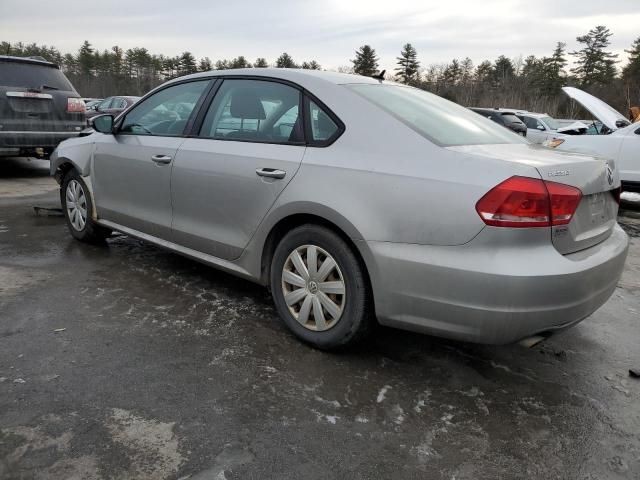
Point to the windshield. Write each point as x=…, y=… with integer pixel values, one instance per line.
x=552, y=123
x=443, y=122
x=29, y=75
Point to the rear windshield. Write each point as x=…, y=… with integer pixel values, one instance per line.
x=443, y=122
x=511, y=118
x=28, y=75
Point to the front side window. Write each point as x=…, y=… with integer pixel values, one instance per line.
x=443, y=122
x=254, y=110
x=166, y=112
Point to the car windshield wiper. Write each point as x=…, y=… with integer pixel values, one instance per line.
x=48, y=87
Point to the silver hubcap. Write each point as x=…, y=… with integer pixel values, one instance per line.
x=76, y=205
x=313, y=288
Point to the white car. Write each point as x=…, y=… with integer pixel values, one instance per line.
x=619, y=140
x=541, y=127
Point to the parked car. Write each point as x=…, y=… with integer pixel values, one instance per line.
x=542, y=127
x=38, y=107
x=112, y=105
x=506, y=118
x=354, y=199
x=617, y=139
x=91, y=103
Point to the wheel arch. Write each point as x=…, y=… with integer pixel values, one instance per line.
x=331, y=220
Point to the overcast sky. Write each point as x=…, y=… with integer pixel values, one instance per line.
x=326, y=30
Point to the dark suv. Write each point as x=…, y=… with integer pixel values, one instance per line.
x=507, y=119
x=38, y=107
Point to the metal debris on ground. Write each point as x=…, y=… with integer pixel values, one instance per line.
x=58, y=330
x=51, y=212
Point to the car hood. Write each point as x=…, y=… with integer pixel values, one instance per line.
x=599, y=109
x=577, y=126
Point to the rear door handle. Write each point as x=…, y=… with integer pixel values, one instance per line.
x=270, y=173
x=161, y=159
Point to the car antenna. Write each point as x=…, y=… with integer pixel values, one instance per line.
x=379, y=76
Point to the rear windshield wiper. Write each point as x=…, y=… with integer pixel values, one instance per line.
x=48, y=87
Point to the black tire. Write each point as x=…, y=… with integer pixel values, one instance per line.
x=357, y=317
x=91, y=232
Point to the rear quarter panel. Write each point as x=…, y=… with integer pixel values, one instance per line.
x=391, y=183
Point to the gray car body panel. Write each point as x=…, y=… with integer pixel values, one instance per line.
x=407, y=204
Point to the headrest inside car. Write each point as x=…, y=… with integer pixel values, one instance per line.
x=246, y=104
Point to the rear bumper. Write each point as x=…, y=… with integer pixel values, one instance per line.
x=35, y=139
x=489, y=291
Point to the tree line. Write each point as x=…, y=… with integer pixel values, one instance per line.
x=532, y=83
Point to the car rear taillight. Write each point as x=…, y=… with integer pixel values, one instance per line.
x=75, y=105
x=528, y=202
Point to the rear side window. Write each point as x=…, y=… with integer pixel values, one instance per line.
x=323, y=128
x=255, y=111
x=17, y=74
x=443, y=122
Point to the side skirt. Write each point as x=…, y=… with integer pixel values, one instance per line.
x=215, y=262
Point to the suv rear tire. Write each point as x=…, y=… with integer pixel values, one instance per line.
x=320, y=288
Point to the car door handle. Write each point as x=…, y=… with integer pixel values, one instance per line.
x=161, y=159
x=270, y=173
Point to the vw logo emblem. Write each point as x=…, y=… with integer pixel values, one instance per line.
x=609, y=175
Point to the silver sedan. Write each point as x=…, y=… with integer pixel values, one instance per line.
x=355, y=200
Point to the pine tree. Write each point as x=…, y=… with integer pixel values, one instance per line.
x=631, y=71
x=205, y=64
x=408, y=65
x=595, y=65
x=285, y=61
x=484, y=72
x=552, y=75
x=452, y=73
x=312, y=65
x=366, y=61
x=187, y=64
x=85, y=60
x=260, y=63
x=222, y=65
x=503, y=69
x=239, y=62
x=466, y=71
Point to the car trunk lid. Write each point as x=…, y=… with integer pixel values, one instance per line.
x=597, y=179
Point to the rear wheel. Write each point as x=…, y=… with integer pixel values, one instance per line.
x=319, y=288
x=77, y=208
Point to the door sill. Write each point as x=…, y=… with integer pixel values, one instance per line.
x=215, y=262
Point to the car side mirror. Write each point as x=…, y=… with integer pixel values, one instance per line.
x=102, y=123
x=540, y=127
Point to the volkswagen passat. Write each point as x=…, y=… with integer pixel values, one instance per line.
x=354, y=200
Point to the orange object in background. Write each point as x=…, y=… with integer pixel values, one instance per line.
x=634, y=114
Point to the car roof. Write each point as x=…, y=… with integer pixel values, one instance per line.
x=296, y=75
x=30, y=60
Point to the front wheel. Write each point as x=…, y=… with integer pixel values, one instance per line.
x=320, y=289
x=77, y=208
